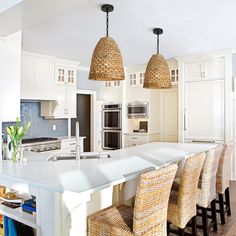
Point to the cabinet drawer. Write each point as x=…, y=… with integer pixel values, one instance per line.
x=133, y=144
x=136, y=138
x=67, y=144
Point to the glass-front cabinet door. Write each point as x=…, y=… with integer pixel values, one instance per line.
x=65, y=75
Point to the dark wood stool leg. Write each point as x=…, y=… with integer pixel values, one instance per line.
x=168, y=227
x=204, y=222
x=194, y=226
x=181, y=232
x=227, y=198
x=213, y=212
x=222, y=208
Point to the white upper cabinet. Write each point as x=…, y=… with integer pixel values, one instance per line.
x=174, y=70
x=211, y=69
x=112, y=84
x=135, y=75
x=193, y=71
x=136, y=79
x=205, y=97
x=10, y=75
x=204, y=111
x=71, y=102
x=215, y=68
x=64, y=107
x=44, y=74
x=51, y=80
x=28, y=82
x=37, y=77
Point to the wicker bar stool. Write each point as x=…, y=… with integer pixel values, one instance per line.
x=148, y=217
x=206, y=193
x=182, y=203
x=222, y=181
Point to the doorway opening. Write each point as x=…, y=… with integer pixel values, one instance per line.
x=83, y=113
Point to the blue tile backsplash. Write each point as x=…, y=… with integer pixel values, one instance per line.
x=40, y=127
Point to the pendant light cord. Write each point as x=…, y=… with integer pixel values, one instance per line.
x=107, y=24
x=157, y=44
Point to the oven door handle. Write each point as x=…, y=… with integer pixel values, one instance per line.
x=111, y=110
x=111, y=131
x=108, y=148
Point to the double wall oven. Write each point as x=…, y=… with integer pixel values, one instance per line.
x=111, y=126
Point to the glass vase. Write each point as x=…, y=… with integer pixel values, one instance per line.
x=16, y=155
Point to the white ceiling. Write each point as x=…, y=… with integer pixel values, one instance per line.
x=8, y=4
x=190, y=26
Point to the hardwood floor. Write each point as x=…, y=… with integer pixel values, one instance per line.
x=229, y=229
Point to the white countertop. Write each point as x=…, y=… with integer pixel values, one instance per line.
x=92, y=175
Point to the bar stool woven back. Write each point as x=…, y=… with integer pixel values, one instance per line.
x=151, y=201
x=222, y=181
x=149, y=215
x=182, y=205
x=207, y=182
x=223, y=174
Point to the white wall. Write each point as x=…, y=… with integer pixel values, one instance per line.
x=106, y=94
x=83, y=83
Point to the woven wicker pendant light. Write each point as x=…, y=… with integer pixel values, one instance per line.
x=106, y=63
x=157, y=75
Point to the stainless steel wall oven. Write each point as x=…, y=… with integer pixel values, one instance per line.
x=112, y=126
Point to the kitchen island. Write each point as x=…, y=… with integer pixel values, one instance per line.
x=67, y=191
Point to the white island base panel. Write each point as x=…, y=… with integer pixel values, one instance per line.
x=59, y=214
x=75, y=212
x=68, y=191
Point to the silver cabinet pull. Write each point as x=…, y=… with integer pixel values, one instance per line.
x=185, y=128
x=203, y=141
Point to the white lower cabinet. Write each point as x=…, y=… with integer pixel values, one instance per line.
x=133, y=144
x=69, y=144
x=132, y=139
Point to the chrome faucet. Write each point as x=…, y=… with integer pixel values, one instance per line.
x=77, y=142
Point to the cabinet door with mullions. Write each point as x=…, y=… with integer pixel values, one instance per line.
x=65, y=75
x=136, y=79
